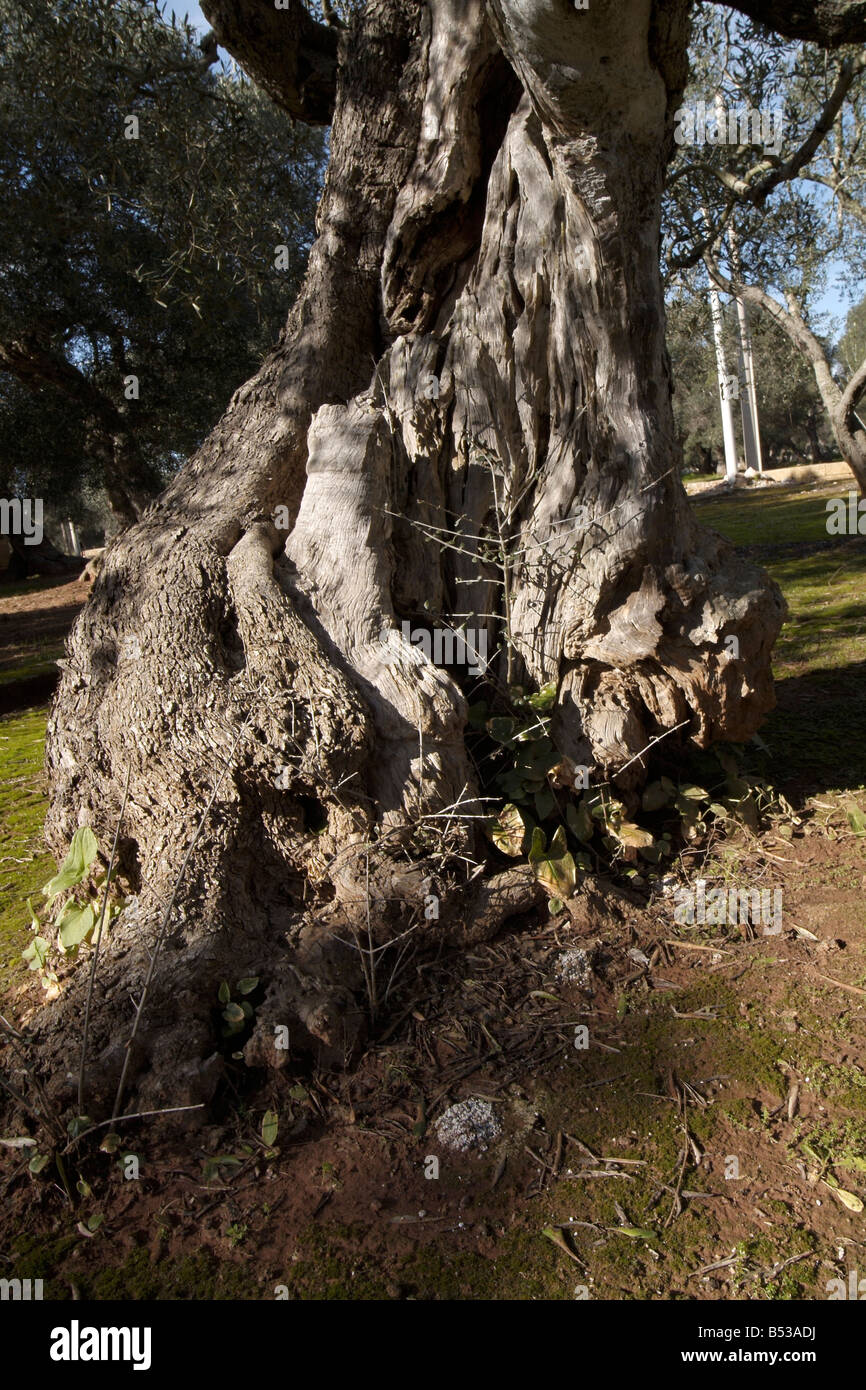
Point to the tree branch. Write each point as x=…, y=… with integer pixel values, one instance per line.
x=840, y=405
x=757, y=185
x=792, y=324
x=846, y=202
x=854, y=390
x=34, y=365
x=829, y=23
x=758, y=191
x=687, y=259
x=286, y=52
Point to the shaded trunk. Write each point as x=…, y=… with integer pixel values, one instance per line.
x=43, y=558
x=811, y=428
x=841, y=410
x=468, y=422
x=851, y=438
x=707, y=458
x=120, y=468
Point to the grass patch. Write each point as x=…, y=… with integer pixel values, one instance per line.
x=826, y=594
x=31, y=661
x=817, y=736
x=196, y=1278
x=25, y=864
x=770, y=517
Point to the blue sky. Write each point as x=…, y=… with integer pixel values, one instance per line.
x=193, y=14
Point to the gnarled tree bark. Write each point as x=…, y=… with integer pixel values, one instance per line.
x=468, y=420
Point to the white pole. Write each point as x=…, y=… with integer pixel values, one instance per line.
x=728, y=385
x=753, y=393
x=750, y=437
x=748, y=390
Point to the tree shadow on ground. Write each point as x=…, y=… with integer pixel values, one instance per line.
x=817, y=733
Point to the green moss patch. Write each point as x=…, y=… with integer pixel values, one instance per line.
x=26, y=864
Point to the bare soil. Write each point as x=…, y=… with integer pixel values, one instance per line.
x=711, y=1053
x=34, y=620
x=695, y=1149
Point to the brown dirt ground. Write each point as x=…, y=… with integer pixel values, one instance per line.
x=34, y=621
x=706, y=1045
x=736, y=1046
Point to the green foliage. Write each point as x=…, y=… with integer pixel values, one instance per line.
x=151, y=256
x=213, y=1167
x=525, y=736
x=510, y=831
x=790, y=408
x=75, y=925
x=37, y=952
x=564, y=828
x=237, y=1014
x=796, y=240
x=553, y=865
x=852, y=344
x=77, y=917
x=79, y=857
x=545, y=789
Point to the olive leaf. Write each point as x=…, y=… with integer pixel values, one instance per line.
x=634, y=1232
x=848, y=1199
x=554, y=867
x=544, y=698
x=556, y=1236
x=80, y=855
x=509, y=831
x=693, y=793
x=579, y=821
x=75, y=925
x=36, y=954
x=633, y=836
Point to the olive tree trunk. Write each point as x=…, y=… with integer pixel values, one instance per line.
x=466, y=422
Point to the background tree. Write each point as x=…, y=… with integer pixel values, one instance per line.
x=852, y=344
x=145, y=190
x=793, y=422
x=468, y=420
x=796, y=209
